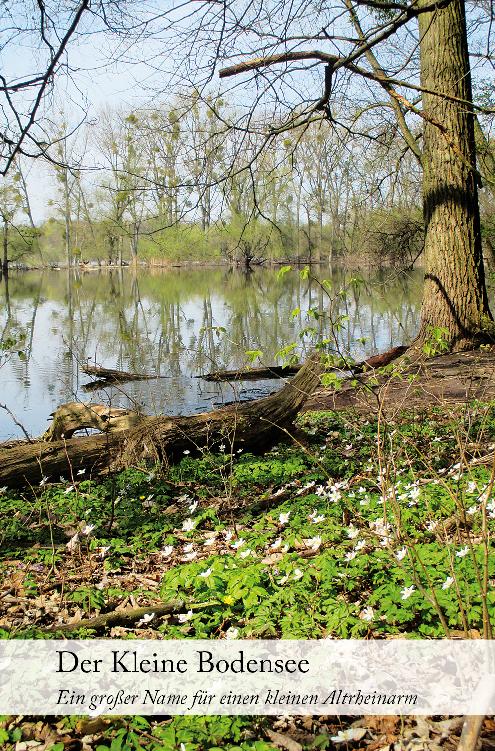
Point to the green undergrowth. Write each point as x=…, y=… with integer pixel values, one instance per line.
x=356, y=528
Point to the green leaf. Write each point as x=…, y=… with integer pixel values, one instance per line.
x=254, y=354
x=283, y=271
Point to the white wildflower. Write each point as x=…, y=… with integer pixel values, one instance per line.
x=193, y=507
x=298, y=574
x=318, y=519
x=401, y=554
x=246, y=553
x=461, y=553
x=277, y=544
x=349, y=556
x=238, y=544
x=448, y=582
x=184, y=617
x=147, y=617
x=167, y=551
x=352, y=532
x=186, y=452
x=69, y=489
x=367, y=614
x=407, y=592
x=188, y=525
x=313, y=543
x=189, y=557
x=87, y=529
x=414, y=494
x=284, y=517
x=205, y=574
x=232, y=633
x=81, y=472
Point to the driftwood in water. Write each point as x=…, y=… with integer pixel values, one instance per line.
x=73, y=416
x=96, y=385
x=252, y=426
x=114, y=376
x=252, y=374
x=379, y=361
x=279, y=371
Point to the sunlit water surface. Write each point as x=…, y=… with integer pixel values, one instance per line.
x=179, y=324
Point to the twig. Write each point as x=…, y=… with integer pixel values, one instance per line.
x=470, y=732
x=117, y=617
x=19, y=425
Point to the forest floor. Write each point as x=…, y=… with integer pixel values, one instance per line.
x=457, y=378
x=344, y=530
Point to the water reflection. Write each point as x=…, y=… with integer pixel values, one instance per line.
x=178, y=324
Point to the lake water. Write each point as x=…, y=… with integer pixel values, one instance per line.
x=179, y=324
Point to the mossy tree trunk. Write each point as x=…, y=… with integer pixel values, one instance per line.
x=455, y=297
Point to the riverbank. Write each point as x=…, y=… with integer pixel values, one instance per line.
x=443, y=380
x=355, y=263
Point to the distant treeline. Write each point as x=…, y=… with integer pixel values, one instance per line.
x=179, y=185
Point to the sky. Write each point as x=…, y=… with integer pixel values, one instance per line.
x=111, y=69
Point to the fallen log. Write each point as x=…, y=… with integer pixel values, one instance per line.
x=379, y=361
x=250, y=426
x=115, y=376
x=73, y=416
x=252, y=374
x=280, y=371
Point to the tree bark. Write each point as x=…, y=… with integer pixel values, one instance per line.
x=251, y=426
x=74, y=416
x=455, y=297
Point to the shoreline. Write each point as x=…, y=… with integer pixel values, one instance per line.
x=349, y=263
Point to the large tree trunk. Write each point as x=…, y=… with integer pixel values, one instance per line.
x=455, y=296
x=5, y=259
x=251, y=426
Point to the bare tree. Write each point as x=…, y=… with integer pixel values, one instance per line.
x=49, y=27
